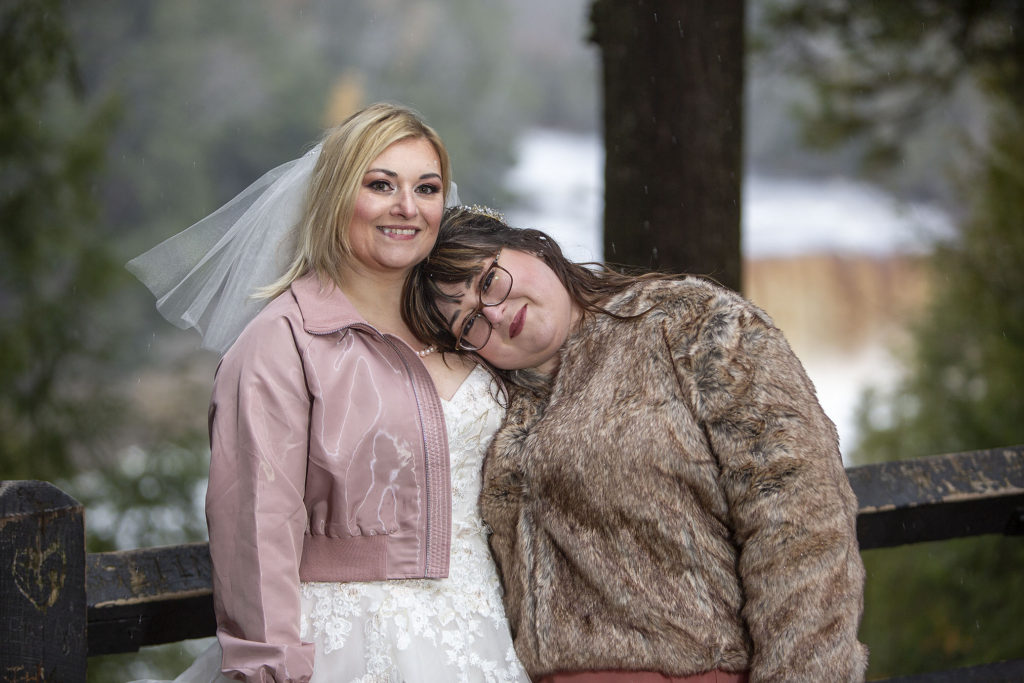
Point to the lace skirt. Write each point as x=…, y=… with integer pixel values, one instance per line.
x=416, y=630
x=406, y=631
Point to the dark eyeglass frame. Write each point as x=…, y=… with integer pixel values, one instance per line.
x=460, y=343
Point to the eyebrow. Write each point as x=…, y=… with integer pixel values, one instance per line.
x=392, y=174
x=451, y=320
x=469, y=286
x=455, y=315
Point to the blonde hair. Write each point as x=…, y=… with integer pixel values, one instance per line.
x=347, y=150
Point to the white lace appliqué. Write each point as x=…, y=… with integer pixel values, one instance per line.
x=451, y=629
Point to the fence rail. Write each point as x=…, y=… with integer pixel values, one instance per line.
x=61, y=605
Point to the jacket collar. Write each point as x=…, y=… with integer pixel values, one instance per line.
x=323, y=308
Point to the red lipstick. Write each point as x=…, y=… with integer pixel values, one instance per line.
x=518, y=321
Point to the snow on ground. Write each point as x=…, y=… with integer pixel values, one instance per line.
x=558, y=180
x=787, y=216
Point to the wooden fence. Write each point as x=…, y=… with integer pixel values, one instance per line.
x=61, y=605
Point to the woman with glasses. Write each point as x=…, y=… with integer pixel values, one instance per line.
x=666, y=496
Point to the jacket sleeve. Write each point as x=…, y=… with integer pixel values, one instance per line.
x=501, y=496
x=259, y=420
x=791, y=505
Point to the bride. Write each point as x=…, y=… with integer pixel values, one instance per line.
x=345, y=453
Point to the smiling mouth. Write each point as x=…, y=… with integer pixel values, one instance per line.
x=397, y=232
x=517, y=323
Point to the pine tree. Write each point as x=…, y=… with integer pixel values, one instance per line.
x=961, y=392
x=884, y=76
x=55, y=267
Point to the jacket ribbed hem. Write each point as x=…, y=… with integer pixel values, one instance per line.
x=360, y=558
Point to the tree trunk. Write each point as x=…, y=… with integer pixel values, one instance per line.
x=673, y=132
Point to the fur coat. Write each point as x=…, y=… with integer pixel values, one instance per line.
x=677, y=502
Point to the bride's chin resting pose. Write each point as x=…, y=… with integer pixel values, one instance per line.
x=345, y=451
x=666, y=496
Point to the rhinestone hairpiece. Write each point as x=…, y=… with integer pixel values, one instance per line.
x=484, y=211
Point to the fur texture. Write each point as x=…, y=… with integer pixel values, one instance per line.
x=677, y=502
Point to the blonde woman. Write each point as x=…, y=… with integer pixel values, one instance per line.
x=346, y=541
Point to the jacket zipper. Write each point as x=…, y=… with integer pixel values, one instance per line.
x=427, y=493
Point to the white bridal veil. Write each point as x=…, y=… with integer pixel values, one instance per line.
x=205, y=277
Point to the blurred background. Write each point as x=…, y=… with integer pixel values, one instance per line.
x=883, y=196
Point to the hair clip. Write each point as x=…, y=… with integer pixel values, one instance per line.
x=482, y=210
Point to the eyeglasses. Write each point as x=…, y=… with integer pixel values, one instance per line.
x=495, y=284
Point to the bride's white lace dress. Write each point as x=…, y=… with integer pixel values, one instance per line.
x=418, y=630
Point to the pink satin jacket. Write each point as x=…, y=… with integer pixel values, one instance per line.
x=329, y=463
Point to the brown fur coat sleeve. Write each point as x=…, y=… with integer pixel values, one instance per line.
x=792, y=510
x=502, y=495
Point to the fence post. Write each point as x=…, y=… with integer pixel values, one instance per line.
x=42, y=584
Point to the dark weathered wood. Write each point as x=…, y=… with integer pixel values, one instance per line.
x=672, y=75
x=939, y=497
x=148, y=596
x=1008, y=672
x=162, y=595
x=42, y=584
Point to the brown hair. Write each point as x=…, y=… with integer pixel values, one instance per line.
x=347, y=150
x=468, y=237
